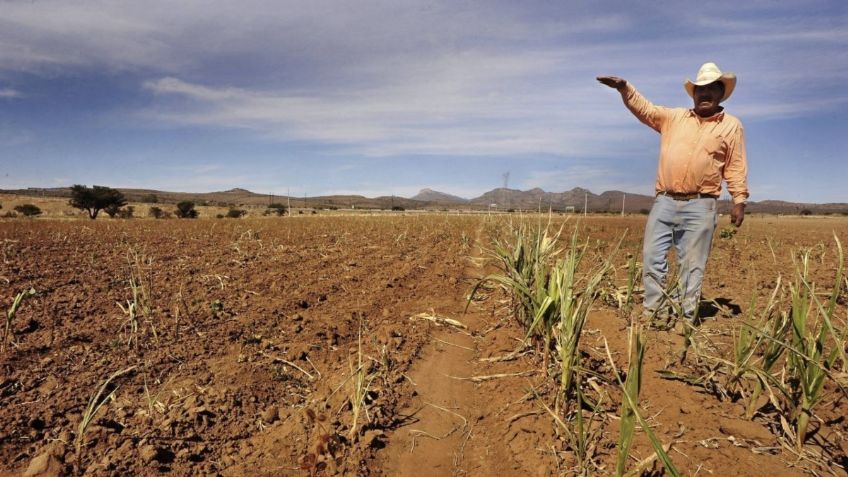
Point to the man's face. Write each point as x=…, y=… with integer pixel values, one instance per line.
x=707, y=97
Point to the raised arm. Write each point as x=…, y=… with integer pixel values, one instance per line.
x=644, y=110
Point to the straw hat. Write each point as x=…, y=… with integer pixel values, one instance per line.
x=709, y=73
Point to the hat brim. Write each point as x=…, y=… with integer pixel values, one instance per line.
x=729, y=80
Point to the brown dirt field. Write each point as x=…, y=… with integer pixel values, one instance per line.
x=242, y=364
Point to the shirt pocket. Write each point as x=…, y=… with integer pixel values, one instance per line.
x=714, y=147
x=712, y=154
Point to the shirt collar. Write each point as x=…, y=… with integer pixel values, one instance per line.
x=715, y=117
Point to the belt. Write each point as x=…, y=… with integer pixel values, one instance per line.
x=687, y=195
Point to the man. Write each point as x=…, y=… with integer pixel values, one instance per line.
x=699, y=148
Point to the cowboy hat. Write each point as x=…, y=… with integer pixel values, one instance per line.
x=710, y=73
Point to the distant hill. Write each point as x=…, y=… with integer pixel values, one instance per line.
x=499, y=199
x=436, y=197
x=538, y=199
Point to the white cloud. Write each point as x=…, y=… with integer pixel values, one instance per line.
x=374, y=190
x=446, y=112
x=7, y=93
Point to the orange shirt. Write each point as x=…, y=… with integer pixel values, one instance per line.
x=695, y=153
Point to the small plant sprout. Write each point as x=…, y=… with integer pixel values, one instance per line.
x=141, y=284
x=10, y=315
x=130, y=323
x=361, y=381
x=96, y=402
x=632, y=269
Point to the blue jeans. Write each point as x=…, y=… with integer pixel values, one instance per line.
x=689, y=226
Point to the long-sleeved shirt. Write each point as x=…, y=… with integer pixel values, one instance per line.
x=695, y=153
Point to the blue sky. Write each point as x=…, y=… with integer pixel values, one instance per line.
x=388, y=97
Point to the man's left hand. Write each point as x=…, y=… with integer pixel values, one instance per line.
x=737, y=214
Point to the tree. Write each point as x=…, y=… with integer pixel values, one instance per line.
x=112, y=210
x=28, y=210
x=95, y=199
x=185, y=210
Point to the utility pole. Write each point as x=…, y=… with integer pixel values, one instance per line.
x=623, y=196
x=505, y=198
x=585, y=202
x=288, y=200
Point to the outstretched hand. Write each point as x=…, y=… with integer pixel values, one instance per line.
x=612, y=81
x=737, y=214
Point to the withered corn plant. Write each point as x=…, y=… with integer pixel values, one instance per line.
x=525, y=260
x=361, y=380
x=752, y=352
x=815, y=345
x=571, y=296
x=10, y=315
x=630, y=414
x=95, y=403
x=582, y=433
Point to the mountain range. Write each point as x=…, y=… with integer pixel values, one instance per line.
x=496, y=199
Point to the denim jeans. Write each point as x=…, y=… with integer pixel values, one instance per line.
x=689, y=226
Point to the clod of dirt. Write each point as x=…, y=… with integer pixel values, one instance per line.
x=147, y=453
x=297, y=351
x=745, y=430
x=151, y=453
x=270, y=415
x=46, y=464
x=370, y=439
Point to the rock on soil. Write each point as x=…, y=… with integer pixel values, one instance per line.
x=46, y=464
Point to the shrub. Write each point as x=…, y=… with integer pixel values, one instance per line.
x=398, y=208
x=28, y=210
x=806, y=212
x=96, y=199
x=276, y=208
x=155, y=212
x=126, y=213
x=236, y=213
x=186, y=210
x=150, y=199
